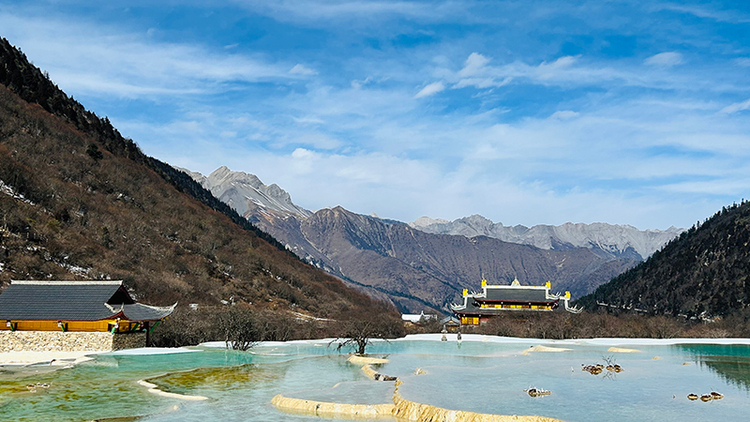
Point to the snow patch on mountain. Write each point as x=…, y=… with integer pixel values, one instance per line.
x=246, y=193
x=611, y=238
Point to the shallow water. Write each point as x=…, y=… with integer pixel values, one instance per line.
x=483, y=374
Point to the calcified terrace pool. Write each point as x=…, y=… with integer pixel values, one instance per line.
x=482, y=374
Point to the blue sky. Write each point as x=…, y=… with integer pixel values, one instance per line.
x=527, y=112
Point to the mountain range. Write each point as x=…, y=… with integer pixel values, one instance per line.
x=425, y=264
x=613, y=239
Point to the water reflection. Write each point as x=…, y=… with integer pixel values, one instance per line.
x=730, y=362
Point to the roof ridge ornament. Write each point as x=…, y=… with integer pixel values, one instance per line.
x=114, y=309
x=158, y=308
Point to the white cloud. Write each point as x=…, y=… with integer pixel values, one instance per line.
x=564, y=115
x=299, y=69
x=430, y=89
x=560, y=63
x=477, y=74
x=357, y=84
x=714, y=187
x=666, y=59
x=308, y=120
x=318, y=141
x=563, y=71
x=732, y=16
x=580, y=71
x=482, y=83
x=129, y=65
x=475, y=63
x=733, y=108
x=354, y=12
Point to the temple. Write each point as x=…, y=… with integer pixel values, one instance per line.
x=77, y=307
x=495, y=299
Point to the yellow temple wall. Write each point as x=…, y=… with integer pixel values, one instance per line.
x=469, y=320
x=71, y=326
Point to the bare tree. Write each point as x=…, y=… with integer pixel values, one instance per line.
x=358, y=333
x=239, y=327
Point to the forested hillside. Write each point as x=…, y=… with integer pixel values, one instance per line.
x=706, y=271
x=78, y=200
x=34, y=86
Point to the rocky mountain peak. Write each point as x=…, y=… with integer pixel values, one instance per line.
x=275, y=191
x=425, y=221
x=246, y=193
x=224, y=175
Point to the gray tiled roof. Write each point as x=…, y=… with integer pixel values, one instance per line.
x=519, y=294
x=73, y=301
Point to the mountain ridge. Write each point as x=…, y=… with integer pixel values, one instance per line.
x=614, y=239
x=417, y=270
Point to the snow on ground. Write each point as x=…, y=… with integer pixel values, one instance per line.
x=50, y=358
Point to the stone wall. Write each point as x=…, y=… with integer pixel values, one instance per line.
x=54, y=341
x=128, y=340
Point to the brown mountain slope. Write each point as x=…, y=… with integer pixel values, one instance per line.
x=418, y=270
x=72, y=209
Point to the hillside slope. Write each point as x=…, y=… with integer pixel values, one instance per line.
x=704, y=271
x=79, y=201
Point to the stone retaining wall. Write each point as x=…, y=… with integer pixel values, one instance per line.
x=128, y=341
x=58, y=341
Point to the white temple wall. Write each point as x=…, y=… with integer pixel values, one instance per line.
x=54, y=341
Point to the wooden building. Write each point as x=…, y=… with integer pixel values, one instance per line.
x=76, y=306
x=495, y=299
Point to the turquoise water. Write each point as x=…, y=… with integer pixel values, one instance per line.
x=486, y=375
